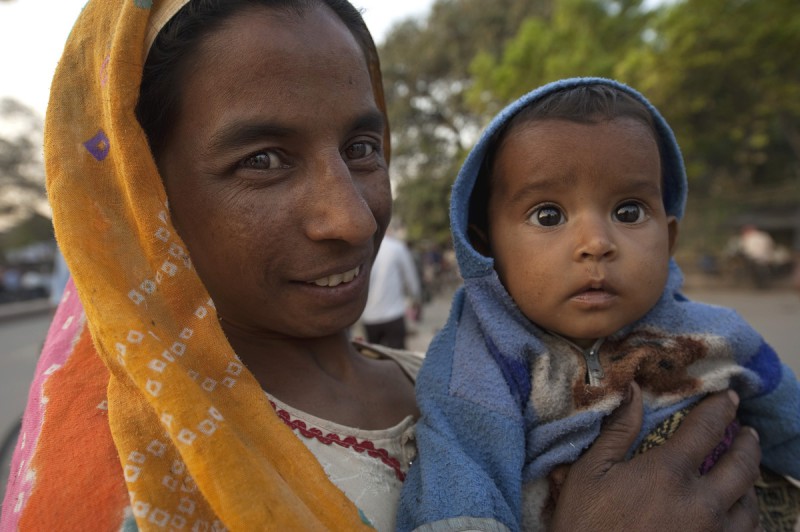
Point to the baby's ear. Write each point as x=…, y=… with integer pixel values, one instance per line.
x=479, y=240
x=672, y=227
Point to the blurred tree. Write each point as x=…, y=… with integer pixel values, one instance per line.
x=34, y=228
x=423, y=205
x=578, y=38
x=725, y=73
x=22, y=189
x=722, y=72
x=426, y=76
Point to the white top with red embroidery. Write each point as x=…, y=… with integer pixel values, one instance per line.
x=369, y=466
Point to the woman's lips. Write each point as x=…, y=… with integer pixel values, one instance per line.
x=337, y=289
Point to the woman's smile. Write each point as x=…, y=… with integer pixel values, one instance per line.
x=338, y=278
x=339, y=290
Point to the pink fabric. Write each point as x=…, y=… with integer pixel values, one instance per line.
x=64, y=331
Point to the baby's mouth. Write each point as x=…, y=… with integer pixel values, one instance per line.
x=337, y=278
x=594, y=289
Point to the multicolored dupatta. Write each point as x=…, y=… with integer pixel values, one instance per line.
x=140, y=409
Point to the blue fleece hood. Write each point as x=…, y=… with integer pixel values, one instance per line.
x=470, y=261
x=503, y=402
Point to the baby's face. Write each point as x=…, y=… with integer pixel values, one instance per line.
x=577, y=225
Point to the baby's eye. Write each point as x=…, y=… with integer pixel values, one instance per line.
x=264, y=160
x=360, y=150
x=547, y=216
x=629, y=213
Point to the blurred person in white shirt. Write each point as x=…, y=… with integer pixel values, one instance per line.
x=394, y=289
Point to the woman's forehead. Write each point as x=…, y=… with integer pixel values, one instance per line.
x=314, y=28
x=302, y=78
x=312, y=62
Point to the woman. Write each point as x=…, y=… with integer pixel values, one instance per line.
x=219, y=210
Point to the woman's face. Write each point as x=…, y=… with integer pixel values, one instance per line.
x=275, y=172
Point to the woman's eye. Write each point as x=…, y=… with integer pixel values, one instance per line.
x=359, y=150
x=547, y=216
x=629, y=213
x=265, y=160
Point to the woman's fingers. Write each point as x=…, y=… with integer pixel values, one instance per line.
x=727, y=489
x=743, y=516
x=603, y=491
x=703, y=428
x=619, y=430
x=730, y=481
x=595, y=492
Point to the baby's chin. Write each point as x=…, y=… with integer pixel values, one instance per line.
x=583, y=343
x=586, y=339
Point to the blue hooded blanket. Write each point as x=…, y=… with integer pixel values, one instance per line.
x=497, y=393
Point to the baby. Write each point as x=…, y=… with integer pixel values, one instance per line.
x=564, y=219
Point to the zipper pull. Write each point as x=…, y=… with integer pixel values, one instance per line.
x=594, y=371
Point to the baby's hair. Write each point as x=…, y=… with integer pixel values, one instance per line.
x=585, y=104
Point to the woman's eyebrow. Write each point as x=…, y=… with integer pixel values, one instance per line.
x=241, y=133
x=371, y=120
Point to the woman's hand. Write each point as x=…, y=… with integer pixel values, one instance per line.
x=662, y=489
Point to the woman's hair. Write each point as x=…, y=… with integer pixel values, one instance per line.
x=586, y=104
x=173, y=50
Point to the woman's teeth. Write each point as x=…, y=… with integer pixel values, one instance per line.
x=338, y=278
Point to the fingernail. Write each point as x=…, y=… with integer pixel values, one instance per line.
x=754, y=432
x=734, y=397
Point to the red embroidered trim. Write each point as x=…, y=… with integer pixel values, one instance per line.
x=349, y=441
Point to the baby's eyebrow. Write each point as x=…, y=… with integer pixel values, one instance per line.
x=641, y=187
x=538, y=186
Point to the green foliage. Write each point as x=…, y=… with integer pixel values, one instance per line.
x=424, y=204
x=35, y=228
x=22, y=190
x=724, y=75
x=24, y=212
x=426, y=76
x=579, y=38
x=20, y=147
x=722, y=72
x=734, y=61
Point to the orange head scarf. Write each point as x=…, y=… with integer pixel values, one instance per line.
x=144, y=386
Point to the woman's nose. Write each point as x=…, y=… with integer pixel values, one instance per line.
x=594, y=241
x=339, y=209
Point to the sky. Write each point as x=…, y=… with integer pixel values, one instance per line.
x=33, y=32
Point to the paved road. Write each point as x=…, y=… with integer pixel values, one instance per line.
x=20, y=342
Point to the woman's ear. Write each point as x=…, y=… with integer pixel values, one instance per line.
x=672, y=228
x=479, y=240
